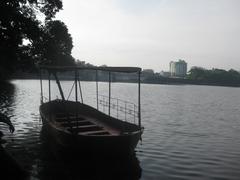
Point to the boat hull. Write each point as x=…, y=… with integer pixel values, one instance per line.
x=124, y=142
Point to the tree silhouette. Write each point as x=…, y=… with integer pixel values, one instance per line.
x=19, y=23
x=54, y=46
x=219, y=76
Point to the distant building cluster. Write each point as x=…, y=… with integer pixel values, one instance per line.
x=178, y=68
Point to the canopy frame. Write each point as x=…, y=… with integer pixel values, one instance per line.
x=52, y=70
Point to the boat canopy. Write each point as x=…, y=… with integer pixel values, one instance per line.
x=108, y=69
x=52, y=71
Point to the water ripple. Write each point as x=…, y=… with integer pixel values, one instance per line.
x=190, y=133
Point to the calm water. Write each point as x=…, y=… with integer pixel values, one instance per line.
x=191, y=132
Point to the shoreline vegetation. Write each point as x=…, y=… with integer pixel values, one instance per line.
x=196, y=76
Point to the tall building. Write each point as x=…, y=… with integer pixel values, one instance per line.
x=178, y=69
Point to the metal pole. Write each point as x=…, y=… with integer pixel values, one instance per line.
x=79, y=84
x=76, y=93
x=117, y=108
x=109, y=91
x=97, y=87
x=125, y=111
x=134, y=113
x=139, y=99
x=59, y=86
x=41, y=86
x=103, y=104
x=49, y=86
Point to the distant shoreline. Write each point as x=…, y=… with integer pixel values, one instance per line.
x=165, y=82
x=199, y=84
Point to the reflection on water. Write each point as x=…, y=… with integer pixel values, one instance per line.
x=191, y=132
x=7, y=93
x=56, y=164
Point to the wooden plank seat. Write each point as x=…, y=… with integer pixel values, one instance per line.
x=98, y=132
x=75, y=123
x=69, y=118
x=60, y=115
x=84, y=128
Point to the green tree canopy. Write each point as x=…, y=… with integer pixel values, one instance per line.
x=214, y=75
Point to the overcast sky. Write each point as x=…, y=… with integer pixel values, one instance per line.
x=151, y=33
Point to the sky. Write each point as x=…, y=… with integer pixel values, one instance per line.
x=151, y=33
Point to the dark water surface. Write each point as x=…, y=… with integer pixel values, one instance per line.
x=191, y=132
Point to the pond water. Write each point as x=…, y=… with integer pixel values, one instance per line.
x=191, y=132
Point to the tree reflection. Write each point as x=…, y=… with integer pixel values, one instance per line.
x=7, y=92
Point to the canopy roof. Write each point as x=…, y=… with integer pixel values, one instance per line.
x=109, y=69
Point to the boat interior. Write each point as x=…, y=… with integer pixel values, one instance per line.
x=81, y=119
x=78, y=124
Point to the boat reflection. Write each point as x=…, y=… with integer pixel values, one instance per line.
x=59, y=164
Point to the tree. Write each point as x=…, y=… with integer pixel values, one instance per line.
x=197, y=73
x=54, y=46
x=19, y=22
x=215, y=76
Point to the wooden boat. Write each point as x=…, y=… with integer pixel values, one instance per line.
x=75, y=125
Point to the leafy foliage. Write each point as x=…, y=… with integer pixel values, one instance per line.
x=19, y=23
x=214, y=75
x=54, y=45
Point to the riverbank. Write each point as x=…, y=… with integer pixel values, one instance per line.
x=161, y=80
x=191, y=82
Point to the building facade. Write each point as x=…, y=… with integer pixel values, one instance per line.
x=178, y=69
x=165, y=74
